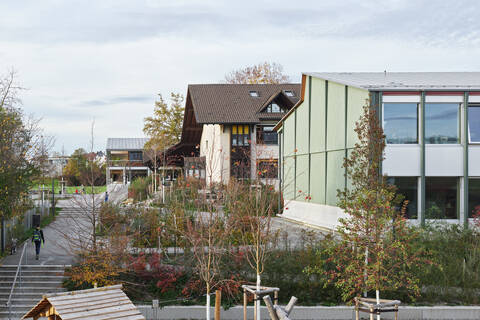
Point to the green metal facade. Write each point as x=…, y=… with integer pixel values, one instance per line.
x=316, y=136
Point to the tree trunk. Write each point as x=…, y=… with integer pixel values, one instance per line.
x=208, y=307
x=377, y=293
x=257, y=302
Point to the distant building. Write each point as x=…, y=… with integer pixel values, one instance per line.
x=432, y=127
x=228, y=130
x=125, y=159
x=56, y=164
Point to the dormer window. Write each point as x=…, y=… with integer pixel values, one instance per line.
x=289, y=93
x=273, y=108
x=254, y=94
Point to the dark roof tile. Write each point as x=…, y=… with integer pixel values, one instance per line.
x=232, y=103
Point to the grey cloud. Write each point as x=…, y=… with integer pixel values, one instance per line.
x=115, y=100
x=425, y=21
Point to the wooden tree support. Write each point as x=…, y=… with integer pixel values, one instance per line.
x=257, y=295
x=371, y=306
x=278, y=313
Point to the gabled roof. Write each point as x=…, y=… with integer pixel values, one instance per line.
x=395, y=81
x=232, y=103
x=100, y=303
x=126, y=144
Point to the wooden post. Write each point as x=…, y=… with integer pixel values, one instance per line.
x=244, y=304
x=357, y=312
x=396, y=312
x=275, y=298
x=218, y=302
x=270, y=307
x=371, y=313
x=290, y=305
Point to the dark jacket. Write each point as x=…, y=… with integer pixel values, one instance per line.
x=41, y=235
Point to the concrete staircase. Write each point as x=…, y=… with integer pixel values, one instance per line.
x=35, y=281
x=71, y=212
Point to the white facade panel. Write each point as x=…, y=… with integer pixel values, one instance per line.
x=443, y=160
x=444, y=99
x=474, y=160
x=319, y=215
x=402, y=160
x=403, y=99
x=473, y=99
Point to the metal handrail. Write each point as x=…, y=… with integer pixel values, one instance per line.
x=9, y=301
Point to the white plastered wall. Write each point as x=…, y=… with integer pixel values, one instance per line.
x=215, y=147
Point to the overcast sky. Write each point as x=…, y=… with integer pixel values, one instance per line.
x=108, y=59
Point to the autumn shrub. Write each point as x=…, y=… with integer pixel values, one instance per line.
x=139, y=188
x=100, y=268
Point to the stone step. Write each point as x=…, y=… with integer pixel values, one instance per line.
x=20, y=295
x=26, y=278
x=29, y=273
x=34, y=267
x=31, y=289
x=31, y=284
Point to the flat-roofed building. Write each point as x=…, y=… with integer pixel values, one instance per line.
x=125, y=159
x=432, y=125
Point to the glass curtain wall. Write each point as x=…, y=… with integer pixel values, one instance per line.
x=400, y=123
x=473, y=196
x=474, y=123
x=408, y=188
x=441, y=198
x=442, y=123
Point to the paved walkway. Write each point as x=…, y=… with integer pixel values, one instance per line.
x=55, y=251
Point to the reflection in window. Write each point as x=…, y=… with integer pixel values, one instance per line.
x=441, y=198
x=135, y=156
x=266, y=135
x=474, y=123
x=441, y=123
x=473, y=196
x=267, y=169
x=240, y=135
x=274, y=108
x=400, y=123
x=408, y=188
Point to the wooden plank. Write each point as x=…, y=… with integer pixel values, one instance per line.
x=83, y=301
x=101, y=312
x=101, y=304
x=78, y=292
x=124, y=315
x=82, y=296
x=72, y=310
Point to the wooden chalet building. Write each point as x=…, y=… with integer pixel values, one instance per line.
x=228, y=130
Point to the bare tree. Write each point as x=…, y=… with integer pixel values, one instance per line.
x=88, y=205
x=265, y=72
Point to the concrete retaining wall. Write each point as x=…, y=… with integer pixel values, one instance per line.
x=310, y=313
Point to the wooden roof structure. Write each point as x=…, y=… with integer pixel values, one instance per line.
x=94, y=304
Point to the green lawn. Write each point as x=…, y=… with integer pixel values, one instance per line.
x=68, y=189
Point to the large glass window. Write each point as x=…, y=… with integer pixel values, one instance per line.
x=441, y=199
x=441, y=123
x=266, y=135
x=474, y=123
x=408, y=188
x=400, y=123
x=135, y=156
x=240, y=135
x=473, y=196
